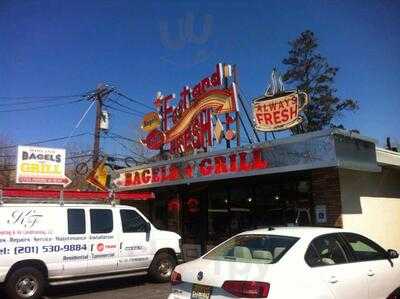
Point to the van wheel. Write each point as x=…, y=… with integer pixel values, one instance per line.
x=162, y=266
x=25, y=283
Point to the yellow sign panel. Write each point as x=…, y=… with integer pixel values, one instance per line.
x=151, y=121
x=98, y=177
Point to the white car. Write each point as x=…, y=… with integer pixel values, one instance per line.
x=57, y=244
x=293, y=262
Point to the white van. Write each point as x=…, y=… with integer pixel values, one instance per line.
x=45, y=243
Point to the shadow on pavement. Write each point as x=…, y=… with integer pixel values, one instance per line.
x=95, y=286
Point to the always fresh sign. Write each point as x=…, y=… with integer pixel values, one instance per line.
x=40, y=165
x=280, y=112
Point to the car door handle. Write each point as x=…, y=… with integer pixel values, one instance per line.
x=370, y=273
x=333, y=279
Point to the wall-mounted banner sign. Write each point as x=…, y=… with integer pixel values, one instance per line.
x=188, y=126
x=212, y=166
x=278, y=109
x=40, y=165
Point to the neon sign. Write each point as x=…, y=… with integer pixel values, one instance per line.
x=188, y=125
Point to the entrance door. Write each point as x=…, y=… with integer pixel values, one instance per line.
x=135, y=251
x=194, y=223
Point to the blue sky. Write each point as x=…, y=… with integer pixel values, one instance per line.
x=68, y=47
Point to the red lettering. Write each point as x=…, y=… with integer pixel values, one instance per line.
x=164, y=176
x=197, y=91
x=258, y=159
x=185, y=94
x=268, y=118
x=146, y=177
x=205, y=170
x=293, y=112
x=173, y=173
x=205, y=84
x=277, y=117
x=232, y=163
x=136, y=179
x=220, y=165
x=244, y=166
x=259, y=117
x=128, y=179
x=285, y=115
x=189, y=170
x=156, y=176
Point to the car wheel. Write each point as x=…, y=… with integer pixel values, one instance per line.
x=162, y=266
x=25, y=283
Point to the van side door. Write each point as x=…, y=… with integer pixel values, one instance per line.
x=75, y=247
x=103, y=251
x=135, y=250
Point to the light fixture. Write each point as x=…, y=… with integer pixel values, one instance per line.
x=249, y=199
x=276, y=197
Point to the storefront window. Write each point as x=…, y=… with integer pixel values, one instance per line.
x=240, y=206
x=192, y=218
x=218, y=215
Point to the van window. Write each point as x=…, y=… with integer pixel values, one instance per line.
x=76, y=221
x=101, y=221
x=132, y=222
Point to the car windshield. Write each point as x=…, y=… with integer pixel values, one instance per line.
x=259, y=249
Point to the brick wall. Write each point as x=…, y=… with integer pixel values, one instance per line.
x=326, y=191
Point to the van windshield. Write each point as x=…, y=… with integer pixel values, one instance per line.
x=259, y=249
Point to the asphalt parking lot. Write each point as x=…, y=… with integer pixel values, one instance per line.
x=137, y=287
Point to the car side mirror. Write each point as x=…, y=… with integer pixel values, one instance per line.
x=393, y=254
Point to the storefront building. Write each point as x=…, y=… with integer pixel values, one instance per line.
x=325, y=178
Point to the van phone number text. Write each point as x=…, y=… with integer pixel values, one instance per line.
x=49, y=248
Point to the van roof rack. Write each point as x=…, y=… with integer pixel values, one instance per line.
x=14, y=195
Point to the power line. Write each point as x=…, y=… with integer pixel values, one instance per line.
x=46, y=97
x=134, y=101
x=44, y=141
x=41, y=107
x=123, y=111
x=126, y=107
x=32, y=102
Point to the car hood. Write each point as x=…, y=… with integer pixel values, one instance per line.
x=215, y=272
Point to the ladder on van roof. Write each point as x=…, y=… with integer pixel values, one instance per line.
x=14, y=195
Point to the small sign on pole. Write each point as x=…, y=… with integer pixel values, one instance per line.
x=41, y=165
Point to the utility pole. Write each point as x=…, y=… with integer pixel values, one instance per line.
x=101, y=93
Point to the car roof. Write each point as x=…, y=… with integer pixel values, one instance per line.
x=297, y=231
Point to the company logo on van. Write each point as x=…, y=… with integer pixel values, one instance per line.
x=100, y=247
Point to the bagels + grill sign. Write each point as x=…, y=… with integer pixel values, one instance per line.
x=218, y=166
x=41, y=165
